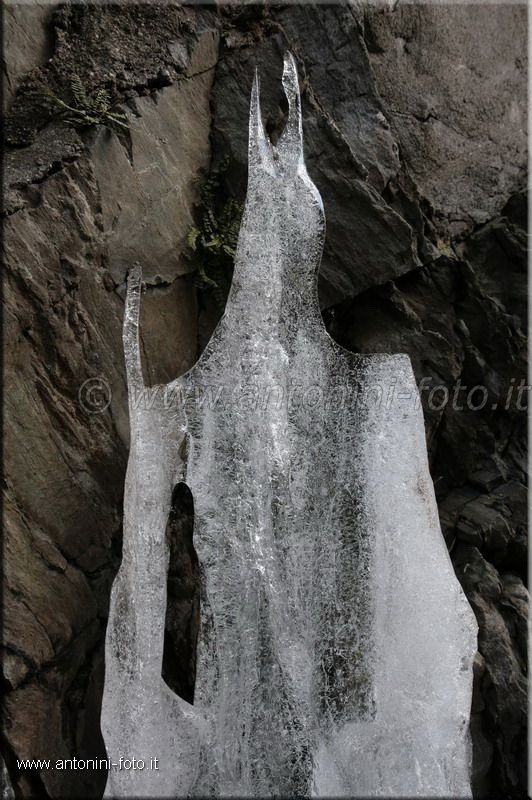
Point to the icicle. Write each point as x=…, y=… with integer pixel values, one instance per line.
x=336, y=645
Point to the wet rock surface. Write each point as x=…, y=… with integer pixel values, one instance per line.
x=414, y=136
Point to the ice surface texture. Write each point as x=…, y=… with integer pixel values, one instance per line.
x=336, y=645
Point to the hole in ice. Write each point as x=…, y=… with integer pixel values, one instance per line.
x=182, y=609
x=275, y=123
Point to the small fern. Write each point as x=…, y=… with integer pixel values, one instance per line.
x=78, y=92
x=86, y=108
x=214, y=239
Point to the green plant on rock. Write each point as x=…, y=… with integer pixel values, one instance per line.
x=214, y=239
x=86, y=107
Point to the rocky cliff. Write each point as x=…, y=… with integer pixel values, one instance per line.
x=414, y=121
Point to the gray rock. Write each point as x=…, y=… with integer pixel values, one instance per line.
x=149, y=189
x=27, y=33
x=498, y=604
x=452, y=80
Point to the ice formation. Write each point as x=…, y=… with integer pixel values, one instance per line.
x=335, y=648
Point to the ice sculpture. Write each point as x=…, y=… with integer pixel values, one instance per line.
x=336, y=645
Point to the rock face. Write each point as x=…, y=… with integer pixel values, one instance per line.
x=27, y=30
x=414, y=135
x=452, y=87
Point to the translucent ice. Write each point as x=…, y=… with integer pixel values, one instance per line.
x=336, y=645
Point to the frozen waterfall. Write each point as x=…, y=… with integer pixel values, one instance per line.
x=336, y=645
